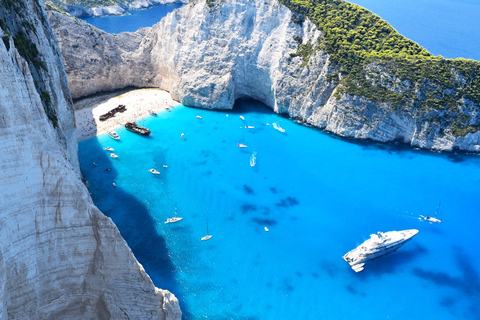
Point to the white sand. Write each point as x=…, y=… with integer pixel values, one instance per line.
x=139, y=103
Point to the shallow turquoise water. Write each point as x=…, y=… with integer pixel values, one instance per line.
x=134, y=20
x=319, y=196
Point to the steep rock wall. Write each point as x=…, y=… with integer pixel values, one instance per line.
x=60, y=257
x=209, y=54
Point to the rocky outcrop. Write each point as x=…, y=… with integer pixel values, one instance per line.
x=76, y=9
x=210, y=53
x=60, y=257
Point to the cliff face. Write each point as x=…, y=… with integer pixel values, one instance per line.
x=111, y=7
x=60, y=257
x=208, y=55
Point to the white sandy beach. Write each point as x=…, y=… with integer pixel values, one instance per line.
x=139, y=103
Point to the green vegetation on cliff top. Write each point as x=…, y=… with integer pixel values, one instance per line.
x=374, y=61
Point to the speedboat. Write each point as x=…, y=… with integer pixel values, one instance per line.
x=241, y=145
x=113, y=134
x=266, y=229
x=378, y=245
x=113, y=155
x=108, y=149
x=182, y=135
x=153, y=171
x=153, y=113
x=253, y=159
x=165, y=166
x=241, y=117
x=277, y=126
x=168, y=108
x=198, y=117
x=249, y=127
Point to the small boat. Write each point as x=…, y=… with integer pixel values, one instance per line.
x=277, y=126
x=266, y=229
x=165, y=166
x=108, y=149
x=208, y=236
x=153, y=171
x=153, y=113
x=249, y=127
x=113, y=134
x=198, y=117
x=227, y=115
x=113, y=155
x=173, y=219
x=114, y=184
x=378, y=245
x=433, y=219
x=133, y=127
x=253, y=159
x=182, y=135
x=241, y=145
x=241, y=117
x=168, y=108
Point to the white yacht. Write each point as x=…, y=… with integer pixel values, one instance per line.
x=173, y=219
x=108, y=149
x=113, y=134
x=113, y=155
x=378, y=245
x=277, y=126
x=153, y=171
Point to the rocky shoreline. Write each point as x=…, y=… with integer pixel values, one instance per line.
x=209, y=56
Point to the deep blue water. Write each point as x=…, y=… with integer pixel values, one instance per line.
x=449, y=28
x=320, y=196
x=134, y=20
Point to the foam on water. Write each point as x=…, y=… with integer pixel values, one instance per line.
x=319, y=196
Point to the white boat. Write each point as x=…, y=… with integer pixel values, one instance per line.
x=277, y=126
x=433, y=219
x=153, y=171
x=113, y=134
x=208, y=236
x=378, y=245
x=173, y=219
x=266, y=229
x=114, y=184
x=108, y=149
x=182, y=135
x=198, y=117
x=249, y=127
x=165, y=166
x=113, y=155
x=241, y=145
x=241, y=117
x=253, y=159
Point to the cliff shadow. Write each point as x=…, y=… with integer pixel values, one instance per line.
x=130, y=216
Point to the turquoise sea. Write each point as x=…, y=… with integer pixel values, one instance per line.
x=134, y=20
x=319, y=196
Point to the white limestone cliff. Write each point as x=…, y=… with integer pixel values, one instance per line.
x=60, y=257
x=209, y=56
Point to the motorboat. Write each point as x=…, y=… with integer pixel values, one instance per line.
x=153, y=171
x=253, y=159
x=168, y=108
x=114, y=184
x=249, y=127
x=198, y=117
x=182, y=135
x=133, y=127
x=241, y=145
x=266, y=229
x=277, y=126
x=165, y=166
x=113, y=134
x=113, y=155
x=433, y=219
x=378, y=245
x=108, y=149
x=241, y=117
x=153, y=113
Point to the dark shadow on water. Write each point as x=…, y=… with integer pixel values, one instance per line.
x=264, y=222
x=248, y=208
x=467, y=284
x=134, y=222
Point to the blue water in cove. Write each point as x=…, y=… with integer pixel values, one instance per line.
x=134, y=20
x=449, y=28
x=320, y=196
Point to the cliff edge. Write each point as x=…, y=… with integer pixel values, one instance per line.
x=210, y=53
x=60, y=257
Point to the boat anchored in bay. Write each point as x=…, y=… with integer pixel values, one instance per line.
x=173, y=219
x=133, y=127
x=113, y=134
x=378, y=245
